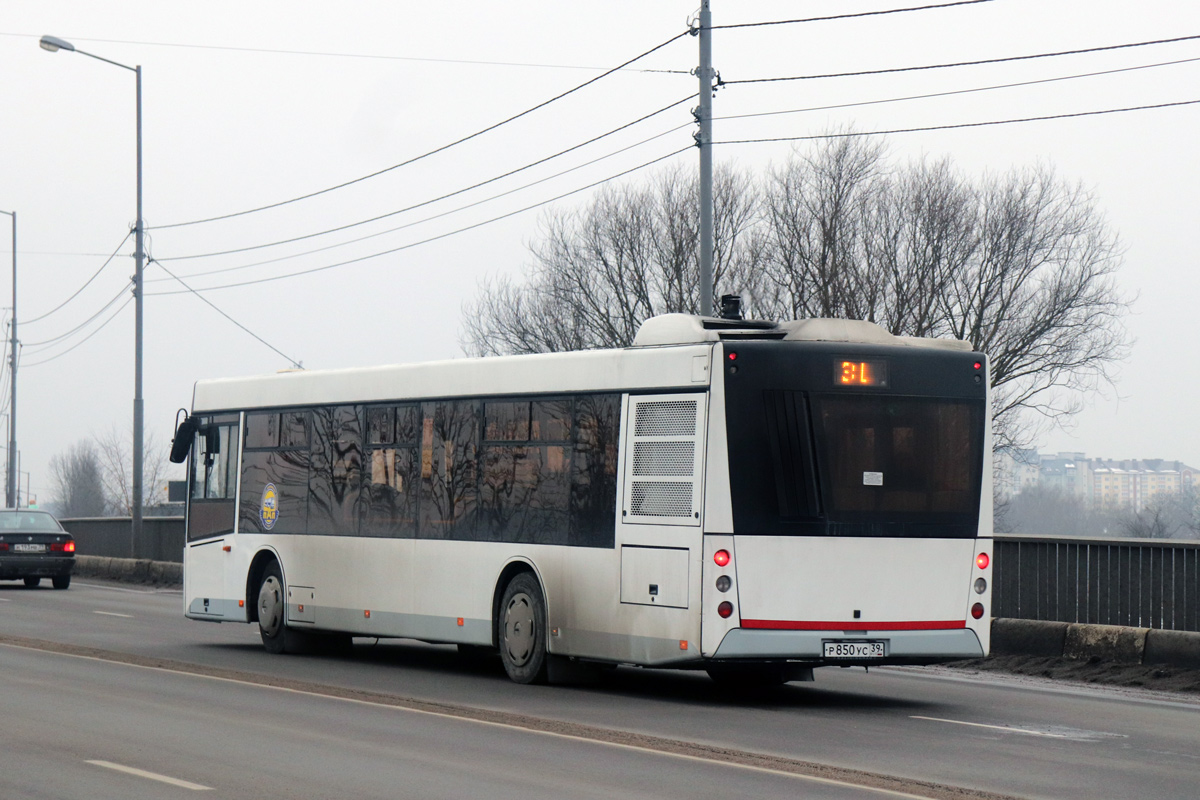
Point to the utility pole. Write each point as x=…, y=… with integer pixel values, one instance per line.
x=10, y=489
x=703, y=137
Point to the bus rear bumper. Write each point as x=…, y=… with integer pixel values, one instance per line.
x=900, y=647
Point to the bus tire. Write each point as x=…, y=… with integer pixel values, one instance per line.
x=272, y=613
x=522, y=630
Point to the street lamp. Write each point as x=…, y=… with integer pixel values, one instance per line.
x=10, y=493
x=54, y=44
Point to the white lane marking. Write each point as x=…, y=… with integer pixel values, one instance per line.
x=5, y=600
x=494, y=724
x=1062, y=733
x=125, y=589
x=113, y=614
x=154, y=776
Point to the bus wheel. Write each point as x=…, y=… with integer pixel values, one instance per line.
x=272, y=608
x=523, y=630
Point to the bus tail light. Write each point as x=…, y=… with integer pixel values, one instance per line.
x=726, y=609
x=977, y=611
x=982, y=561
x=722, y=558
x=980, y=585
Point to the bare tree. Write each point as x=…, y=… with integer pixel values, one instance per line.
x=1040, y=298
x=77, y=481
x=1021, y=265
x=114, y=448
x=600, y=271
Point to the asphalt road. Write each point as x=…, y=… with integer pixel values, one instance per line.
x=398, y=727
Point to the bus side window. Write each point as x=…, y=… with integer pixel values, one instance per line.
x=593, y=511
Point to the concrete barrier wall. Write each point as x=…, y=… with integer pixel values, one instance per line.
x=1113, y=643
x=1138, y=583
x=112, y=537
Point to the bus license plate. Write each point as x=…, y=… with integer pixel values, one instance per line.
x=854, y=649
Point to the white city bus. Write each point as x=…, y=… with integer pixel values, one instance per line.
x=751, y=498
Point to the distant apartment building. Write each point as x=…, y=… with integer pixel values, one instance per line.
x=1130, y=484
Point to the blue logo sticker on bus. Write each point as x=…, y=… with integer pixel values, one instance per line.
x=268, y=509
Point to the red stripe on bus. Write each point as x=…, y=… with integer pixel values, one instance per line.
x=857, y=625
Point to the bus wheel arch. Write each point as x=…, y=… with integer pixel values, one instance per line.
x=521, y=624
x=511, y=570
x=254, y=579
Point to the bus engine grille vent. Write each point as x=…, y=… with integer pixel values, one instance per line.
x=675, y=459
x=666, y=418
x=661, y=499
x=665, y=465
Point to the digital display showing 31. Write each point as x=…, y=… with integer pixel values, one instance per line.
x=859, y=373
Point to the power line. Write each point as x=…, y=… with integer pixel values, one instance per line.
x=442, y=214
x=891, y=70
x=959, y=125
x=446, y=196
x=429, y=153
x=374, y=56
x=81, y=341
x=288, y=358
x=81, y=325
x=850, y=16
x=86, y=283
x=440, y=236
x=956, y=91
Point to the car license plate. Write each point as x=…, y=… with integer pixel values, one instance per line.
x=29, y=548
x=854, y=649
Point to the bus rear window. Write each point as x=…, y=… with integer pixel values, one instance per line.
x=910, y=457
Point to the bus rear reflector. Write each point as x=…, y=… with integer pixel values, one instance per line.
x=977, y=611
x=982, y=560
x=722, y=558
x=726, y=609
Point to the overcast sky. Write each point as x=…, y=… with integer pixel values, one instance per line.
x=251, y=104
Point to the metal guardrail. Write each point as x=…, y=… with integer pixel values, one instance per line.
x=162, y=537
x=1142, y=583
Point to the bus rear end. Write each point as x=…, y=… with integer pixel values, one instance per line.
x=859, y=491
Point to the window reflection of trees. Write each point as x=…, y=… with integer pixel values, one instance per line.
x=336, y=470
x=390, y=480
x=449, y=485
x=594, y=471
x=538, y=471
x=266, y=461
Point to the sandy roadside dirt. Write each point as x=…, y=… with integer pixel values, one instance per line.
x=1093, y=670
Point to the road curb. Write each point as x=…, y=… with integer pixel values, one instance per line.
x=130, y=570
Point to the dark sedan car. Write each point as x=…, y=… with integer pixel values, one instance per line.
x=34, y=546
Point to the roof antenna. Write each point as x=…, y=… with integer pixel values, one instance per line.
x=731, y=306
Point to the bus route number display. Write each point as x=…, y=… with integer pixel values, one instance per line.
x=859, y=373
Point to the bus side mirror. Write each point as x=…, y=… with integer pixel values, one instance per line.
x=185, y=434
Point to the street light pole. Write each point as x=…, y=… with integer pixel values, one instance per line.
x=10, y=487
x=53, y=44
x=704, y=138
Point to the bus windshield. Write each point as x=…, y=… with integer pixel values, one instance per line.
x=808, y=460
